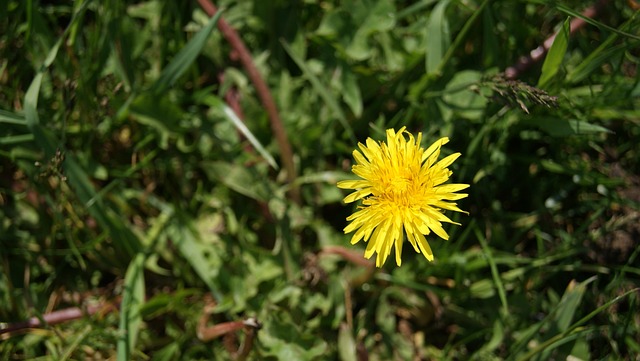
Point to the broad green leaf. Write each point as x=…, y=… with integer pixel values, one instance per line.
x=372, y=16
x=185, y=57
x=346, y=344
x=555, y=56
x=245, y=287
x=353, y=26
x=460, y=98
x=241, y=179
x=205, y=258
x=132, y=301
x=580, y=350
x=482, y=289
x=284, y=339
x=322, y=90
x=438, y=37
x=158, y=113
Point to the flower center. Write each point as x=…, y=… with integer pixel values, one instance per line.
x=398, y=185
x=401, y=188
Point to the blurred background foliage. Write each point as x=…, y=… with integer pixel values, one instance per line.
x=141, y=181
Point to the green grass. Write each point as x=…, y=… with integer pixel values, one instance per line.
x=132, y=185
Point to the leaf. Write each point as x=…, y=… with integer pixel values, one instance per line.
x=167, y=353
x=13, y=139
x=123, y=35
x=351, y=91
x=158, y=113
x=322, y=90
x=132, y=300
x=438, y=37
x=31, y=97
x=569, y=304
x=497, y=336
x=571, y=12
x=482, y=289
x=553, y=61
x=12, y=118
x=562, y=128
x=123, y=238
x=490, y=42
x=240, y=179
x=372, y=17
x=604, y=53
x=245, y=287
x=461, y=99
x=78, y=337
x=284, y=339
x=575, y=328
x=497, y=280
x=216, y=103
x=185, y=57
x=346, y=344
x=354, y=25
x=203, y=257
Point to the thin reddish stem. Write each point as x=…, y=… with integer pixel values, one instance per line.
x=286, y=154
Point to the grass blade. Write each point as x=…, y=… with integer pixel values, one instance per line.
x=215, y=102
x=575, y=327
x=12, y=118
x=124, y=239
x=553, y=61
x=14, y=139
x=185, y=57
x=438, y=40
x=494, y=271
x=132, y=300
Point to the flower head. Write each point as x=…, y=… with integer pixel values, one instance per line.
x=403, y=192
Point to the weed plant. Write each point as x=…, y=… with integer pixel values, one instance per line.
x=153, y=208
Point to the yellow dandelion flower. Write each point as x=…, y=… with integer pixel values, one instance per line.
x=403, y=192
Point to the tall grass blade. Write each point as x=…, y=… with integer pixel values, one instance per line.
x=12, y=118
x=553, y=61
x=215, y=102
x=438, y=37
x=185, y=57
x=132, y=300
x=494, y=271
x=122, y=236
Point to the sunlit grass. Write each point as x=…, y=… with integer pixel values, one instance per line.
x=148, y=208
